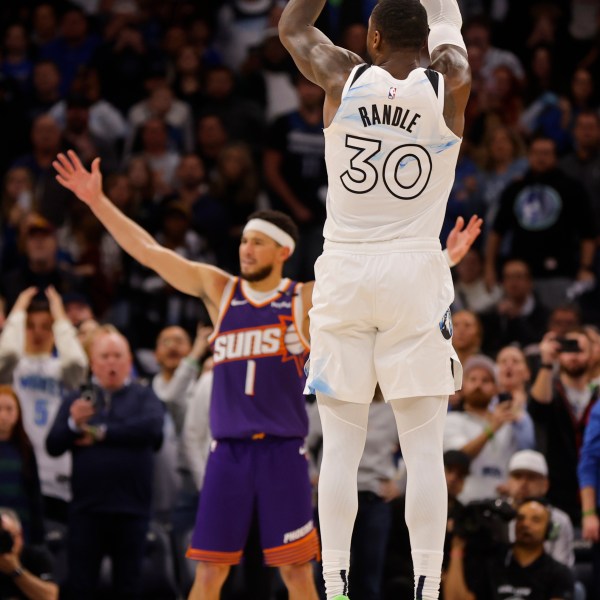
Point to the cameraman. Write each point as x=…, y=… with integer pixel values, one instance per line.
x=528, y=478
x=24, y=571
x=523, y=570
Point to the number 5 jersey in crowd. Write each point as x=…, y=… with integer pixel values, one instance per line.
x=40, y=381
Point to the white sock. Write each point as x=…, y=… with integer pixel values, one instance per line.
x=344, y=434
x=428, y=569
x=336, y=567
x=420, y=424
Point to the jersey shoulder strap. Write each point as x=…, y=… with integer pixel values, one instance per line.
x=434, y=79
x=354, y=75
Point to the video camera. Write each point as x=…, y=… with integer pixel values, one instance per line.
x=483, y=524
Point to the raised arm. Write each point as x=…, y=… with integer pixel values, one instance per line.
x=315, y=55
x=204, y=281
x=449, y=57
x=461, y=238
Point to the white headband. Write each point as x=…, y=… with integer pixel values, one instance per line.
x=275, y=233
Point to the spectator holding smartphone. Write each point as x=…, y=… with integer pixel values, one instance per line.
x=513, y=377
x=112, y=428
x=489, y=432
x=560, y=406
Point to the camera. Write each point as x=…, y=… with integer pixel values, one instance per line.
x=6, y=540
x=483, y=524
x=568, y=345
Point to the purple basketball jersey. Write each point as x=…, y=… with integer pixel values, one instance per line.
x=259, y=357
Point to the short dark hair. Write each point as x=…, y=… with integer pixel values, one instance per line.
x=38, y=304
x=541, y=137
x=279, y=219
x=401, y=23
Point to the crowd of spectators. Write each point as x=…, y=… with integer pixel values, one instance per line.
x=200, y=118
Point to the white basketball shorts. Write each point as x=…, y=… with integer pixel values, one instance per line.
x=381, y=314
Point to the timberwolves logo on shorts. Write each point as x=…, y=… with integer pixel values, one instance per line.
x=446, y=325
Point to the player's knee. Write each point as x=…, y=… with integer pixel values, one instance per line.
x=211, y=575
x=295, y=576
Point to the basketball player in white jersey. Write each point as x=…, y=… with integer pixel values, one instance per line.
x=382, y=292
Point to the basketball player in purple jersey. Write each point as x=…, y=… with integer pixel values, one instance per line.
x=382, y=289
x=258, y=418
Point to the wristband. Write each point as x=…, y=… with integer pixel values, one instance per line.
x=193, y=362
x=589, y=513
x=489, y=432
x=549, y=366
x=16, y=573
x=98, y=432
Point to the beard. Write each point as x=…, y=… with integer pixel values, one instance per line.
x=477, y=398
x=575, y=371
x=257, y=275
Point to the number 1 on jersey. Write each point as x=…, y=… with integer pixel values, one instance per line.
x=250, y=376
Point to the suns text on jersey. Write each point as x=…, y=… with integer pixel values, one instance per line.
x=396, y=116
x=248, y=343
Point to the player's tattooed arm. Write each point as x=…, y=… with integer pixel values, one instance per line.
x=315, y=55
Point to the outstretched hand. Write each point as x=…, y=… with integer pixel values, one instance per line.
x=86, y=185
x=461, y=238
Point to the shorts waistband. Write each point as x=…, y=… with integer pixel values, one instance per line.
x=415, y=244
x=259, y=437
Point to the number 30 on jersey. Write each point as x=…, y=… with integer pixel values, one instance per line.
x=405, y=170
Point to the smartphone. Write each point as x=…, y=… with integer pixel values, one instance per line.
x=504, y=397
x=568, y=345
x=88, y=393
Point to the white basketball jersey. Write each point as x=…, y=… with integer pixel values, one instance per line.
x=390, y=157
x=38, y=383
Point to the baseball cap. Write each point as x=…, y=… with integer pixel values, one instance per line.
x=480, y=361
x=37, y=223
x=528, y=460
x=456, y=459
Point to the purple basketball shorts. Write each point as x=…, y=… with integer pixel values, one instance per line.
x=269, y=475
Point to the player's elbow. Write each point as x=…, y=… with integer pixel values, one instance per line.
x=286, y=33
x=289, y=30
